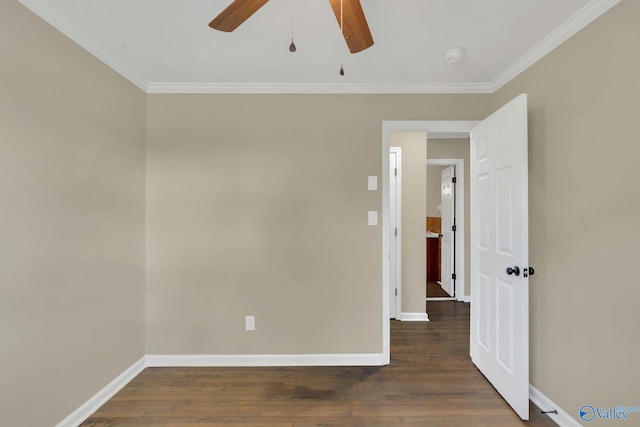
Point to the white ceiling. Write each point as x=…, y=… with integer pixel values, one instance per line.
x=167, y=46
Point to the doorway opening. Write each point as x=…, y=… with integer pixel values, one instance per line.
x=434, y=130
x=446, y=234
x=499, y=324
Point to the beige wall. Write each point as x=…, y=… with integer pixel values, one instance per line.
x=584, y=183
x=270, y=218
x=72, y=136
x=434, y=184
x=458, y=149
x=257, y=204
x=414, y=208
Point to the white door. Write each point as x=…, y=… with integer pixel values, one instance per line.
x=499, y=252
x=394, y=238
x=447, y=211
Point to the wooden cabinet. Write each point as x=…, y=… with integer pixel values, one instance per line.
x=433, y=259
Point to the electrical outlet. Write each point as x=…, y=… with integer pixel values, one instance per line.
x=250, y=323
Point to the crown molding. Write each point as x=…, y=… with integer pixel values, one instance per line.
x=581, y=19
x=577, y=22
x=317, y=88
x=62, y=24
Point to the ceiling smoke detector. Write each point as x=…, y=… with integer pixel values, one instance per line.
x=453, y=56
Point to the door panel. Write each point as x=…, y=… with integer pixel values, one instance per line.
x=505, y=322
x=483, y=216
x=483, y=334
x=499, y=240
x=504, y=214
x=447, y=211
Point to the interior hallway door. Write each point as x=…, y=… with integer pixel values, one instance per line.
x=447, y=211
x=500, y=252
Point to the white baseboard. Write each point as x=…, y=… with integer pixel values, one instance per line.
x=466, y=298
x=239, y=360
x=414, y=317
x=101, y=397
x=562, y=418
x=155, y=360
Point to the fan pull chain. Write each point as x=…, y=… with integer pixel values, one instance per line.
x=292, y=46
x=341, y=39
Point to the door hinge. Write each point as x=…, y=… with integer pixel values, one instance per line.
x=396, y=291
x=454, y=228
x=396, y=231
x=454, y=179
x=454, y=276
x=395, y=172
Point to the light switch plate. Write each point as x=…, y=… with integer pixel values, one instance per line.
x=250, y=323
x=373, y=183
x=373, y=217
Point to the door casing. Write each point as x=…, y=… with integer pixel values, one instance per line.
x=434, y=129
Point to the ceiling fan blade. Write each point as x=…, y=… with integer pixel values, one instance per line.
x=235, y=14
x=354, y=24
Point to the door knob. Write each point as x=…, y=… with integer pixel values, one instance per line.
x=515, y=270
x=528, y=272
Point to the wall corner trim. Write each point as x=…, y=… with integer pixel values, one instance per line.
x=264, y=360
x=414, y=317
x=562, y=418
x=101, y=397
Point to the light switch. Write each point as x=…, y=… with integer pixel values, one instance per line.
x=373, y=183
x=250, y=323
x=373, y=217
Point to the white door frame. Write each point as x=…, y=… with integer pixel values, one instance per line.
x=434, y=129
x=460, y=244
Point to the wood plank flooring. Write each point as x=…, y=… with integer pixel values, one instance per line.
x=434, y=290
x=431, y=382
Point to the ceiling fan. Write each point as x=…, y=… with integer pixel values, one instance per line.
x=349, y=14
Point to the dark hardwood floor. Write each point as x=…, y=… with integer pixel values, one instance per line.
x=431, y=382
x=434, y=290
